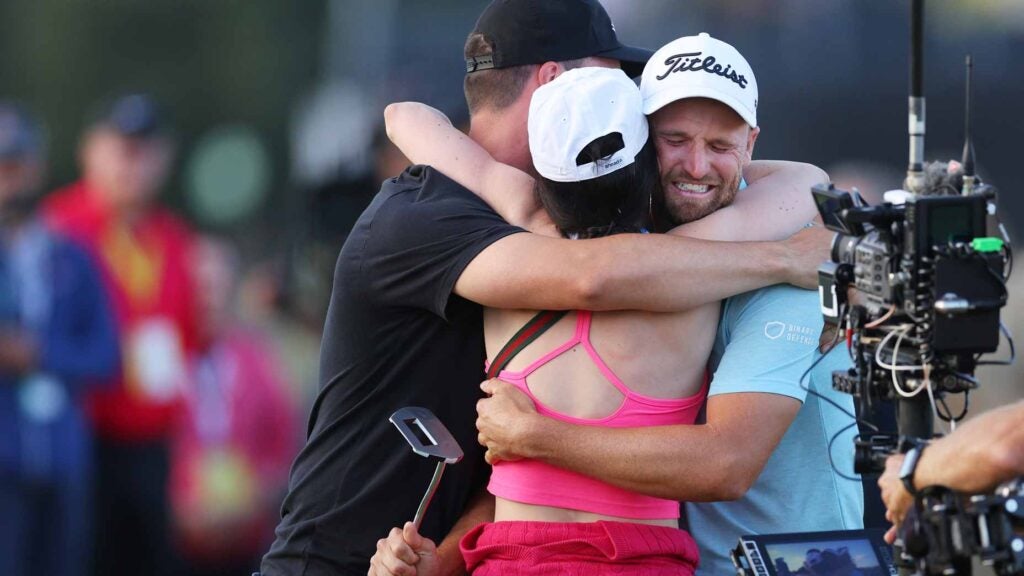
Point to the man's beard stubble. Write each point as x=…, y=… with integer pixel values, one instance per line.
x=682, y=210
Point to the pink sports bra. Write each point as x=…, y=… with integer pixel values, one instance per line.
x=535, y=482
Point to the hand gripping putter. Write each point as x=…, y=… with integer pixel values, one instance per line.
x=429, y=438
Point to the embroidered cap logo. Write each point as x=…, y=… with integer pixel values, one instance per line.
x=692, y=62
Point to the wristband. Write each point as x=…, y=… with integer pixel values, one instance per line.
x=910, y=466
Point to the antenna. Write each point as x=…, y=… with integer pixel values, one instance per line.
x=916, y=110
x=968, y=157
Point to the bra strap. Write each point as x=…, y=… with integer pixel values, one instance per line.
x=537, y=325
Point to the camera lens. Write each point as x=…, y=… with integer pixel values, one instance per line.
x=843, y=248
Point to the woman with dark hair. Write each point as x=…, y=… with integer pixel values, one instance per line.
x=597, y=175
x=610, y=204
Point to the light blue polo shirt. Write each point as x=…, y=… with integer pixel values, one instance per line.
x=766, y=340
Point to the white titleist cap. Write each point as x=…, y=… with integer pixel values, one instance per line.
x=700, y=67
x=586, y=123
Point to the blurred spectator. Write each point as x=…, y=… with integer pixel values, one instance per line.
x=231, y=455
x=287, y=313
x=125, y=157
x=57, y=338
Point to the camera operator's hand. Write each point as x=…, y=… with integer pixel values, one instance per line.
x=896, y=498
x=405, y=553
x=505, y=421
x=806, y=251
x=984, y=452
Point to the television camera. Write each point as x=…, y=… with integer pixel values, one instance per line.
x=916, y=284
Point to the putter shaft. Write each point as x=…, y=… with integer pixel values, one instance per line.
x=429, y=495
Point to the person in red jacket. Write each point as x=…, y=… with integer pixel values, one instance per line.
x=143, y=251
x=231, y=453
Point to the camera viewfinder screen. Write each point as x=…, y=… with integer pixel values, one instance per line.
x=948, y=223
x=829, y=206
x=829, y=558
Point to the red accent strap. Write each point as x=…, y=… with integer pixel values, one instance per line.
x=537, y=325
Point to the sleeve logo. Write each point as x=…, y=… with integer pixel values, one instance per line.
x=774, y=330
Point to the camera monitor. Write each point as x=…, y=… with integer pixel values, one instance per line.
x=831, y=203
x=838, y=553
x=938, y=220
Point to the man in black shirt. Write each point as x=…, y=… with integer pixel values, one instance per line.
x=404, y=326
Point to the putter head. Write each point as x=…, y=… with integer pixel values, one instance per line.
x=426, y=434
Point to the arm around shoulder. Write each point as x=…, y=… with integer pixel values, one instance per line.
x=791, y=173
x=426, y=136
x=716, y=461
x=653, y=272
x=776, y=203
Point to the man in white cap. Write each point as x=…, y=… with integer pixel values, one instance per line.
x=701, y=96
x=697, y=91
x=762, y=462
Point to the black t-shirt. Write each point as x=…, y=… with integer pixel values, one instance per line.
x=396, y=335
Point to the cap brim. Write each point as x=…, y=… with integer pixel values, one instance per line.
x=672, y=93
x=633, y=59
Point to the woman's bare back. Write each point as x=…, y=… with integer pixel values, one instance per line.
x=660, y=355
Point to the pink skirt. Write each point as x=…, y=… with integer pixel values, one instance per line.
x=584, y=548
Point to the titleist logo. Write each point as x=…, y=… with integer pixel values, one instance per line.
x=692, y=62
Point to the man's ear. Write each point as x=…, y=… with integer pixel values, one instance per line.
x=548, y=71
x=751, y=139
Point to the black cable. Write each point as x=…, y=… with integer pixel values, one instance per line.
x=944, y=416
x=808, y=389
x=967, y=403
x=831, y=462
x=948, y=415
x=1013, y=352
x=1000, y=280
x=849, y=349
x=856, y=420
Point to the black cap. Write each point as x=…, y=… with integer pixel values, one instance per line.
x=133, y=115
x=537, y=31
x=20, y=134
